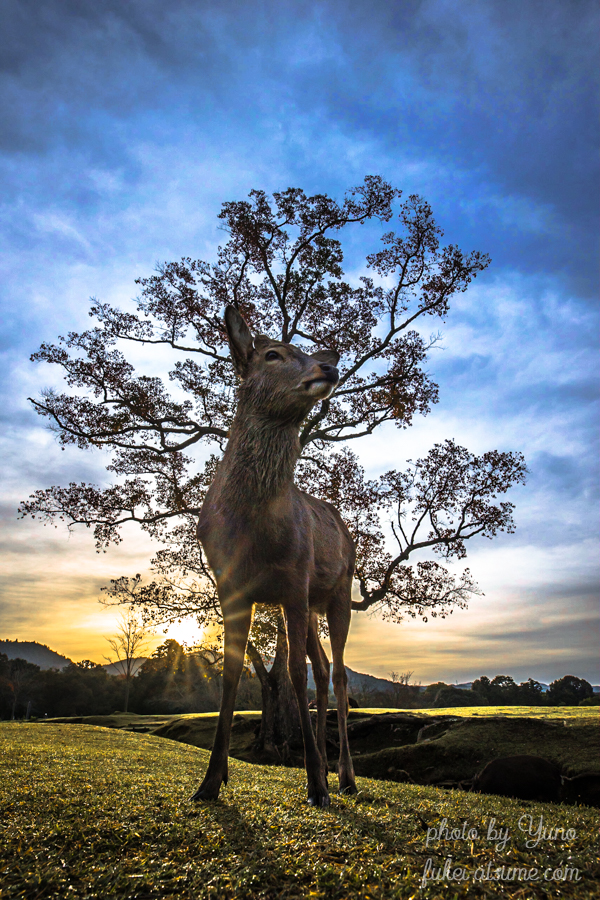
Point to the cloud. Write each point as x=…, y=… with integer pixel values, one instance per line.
x=481, y=92
x=126, y=125
x=526, y=634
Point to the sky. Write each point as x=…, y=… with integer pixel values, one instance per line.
x=127, y=123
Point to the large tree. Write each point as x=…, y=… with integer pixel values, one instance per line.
x=281, y=266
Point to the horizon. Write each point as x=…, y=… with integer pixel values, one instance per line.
x=125, y=129
x=413, y=683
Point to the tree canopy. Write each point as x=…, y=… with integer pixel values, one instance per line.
x=282, y=267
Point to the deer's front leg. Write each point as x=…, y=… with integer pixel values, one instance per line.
x=237, y=626
x=297, y=627
x=338, y=618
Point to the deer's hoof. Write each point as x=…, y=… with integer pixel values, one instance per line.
x=205, y=793
x=320, y=799
x=348, y=790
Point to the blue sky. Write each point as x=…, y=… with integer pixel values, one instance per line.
x=126, y=124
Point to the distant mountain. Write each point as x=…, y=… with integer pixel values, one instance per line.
x=39, y=654
x=357, y=681
x=116, y=668
x=45, y=658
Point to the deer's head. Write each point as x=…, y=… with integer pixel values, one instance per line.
x=279, y=381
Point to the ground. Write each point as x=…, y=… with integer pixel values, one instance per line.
x=95, y=812
x=433, y=746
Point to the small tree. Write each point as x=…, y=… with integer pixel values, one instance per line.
x=281, y=266
x=569, y=691
x=530, y=693
x=22, y=677
x=432, y=692
x=127, y=646
x=402, y=692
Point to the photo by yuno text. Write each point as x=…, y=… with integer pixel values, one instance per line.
x=532, y=834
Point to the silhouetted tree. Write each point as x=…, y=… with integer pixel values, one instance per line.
x=455, y=696
x=77, y=690
x=179, y=680
x=281, y=266
x=503, y=691
x=127, y=646
x=531, y=693
x=500, y=691
x=569, y=691
x=20, y=680
x=402, y=694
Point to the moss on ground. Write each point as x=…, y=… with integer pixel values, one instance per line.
x=444, y=747
x=200, y=732
x=89, y=812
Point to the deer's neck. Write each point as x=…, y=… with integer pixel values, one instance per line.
x=259, y=461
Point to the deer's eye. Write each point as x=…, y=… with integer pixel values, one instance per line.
x=272, y=354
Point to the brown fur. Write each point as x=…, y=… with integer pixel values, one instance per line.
x=269, y=542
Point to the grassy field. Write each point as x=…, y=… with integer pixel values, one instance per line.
x=94, y=812
x=573, y=714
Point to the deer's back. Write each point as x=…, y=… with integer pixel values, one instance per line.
x=294, y=542
x=333, y=547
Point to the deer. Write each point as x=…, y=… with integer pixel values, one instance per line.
x=266, y=541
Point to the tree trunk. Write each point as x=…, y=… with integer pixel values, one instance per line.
x=266, y=739
x=280, y=732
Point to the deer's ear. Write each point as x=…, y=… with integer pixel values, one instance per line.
x=331, y=357
x=241, y=343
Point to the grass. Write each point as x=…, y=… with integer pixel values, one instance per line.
x=93, y=812
x=573, y=713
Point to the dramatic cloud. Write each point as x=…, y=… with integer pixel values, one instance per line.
x=125, y=125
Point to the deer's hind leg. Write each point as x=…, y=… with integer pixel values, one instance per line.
x=238, y=619
x=320, y=667
x=297, y=629
x=338, y=619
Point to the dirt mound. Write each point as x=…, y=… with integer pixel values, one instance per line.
x=466, y=745
x=200, y=732
x=123, y=721
x=445, y=750
x=373, y=733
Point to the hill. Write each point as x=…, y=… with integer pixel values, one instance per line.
x=39, y=654
x=42, y=656
x=116, y=668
